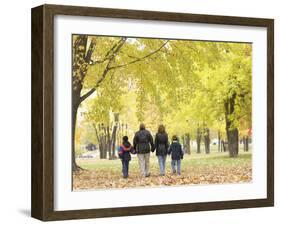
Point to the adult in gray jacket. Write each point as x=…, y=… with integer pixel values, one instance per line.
x=143, y=144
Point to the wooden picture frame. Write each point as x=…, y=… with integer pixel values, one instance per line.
x=42, y=203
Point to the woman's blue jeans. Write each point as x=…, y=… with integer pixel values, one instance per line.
x=162, y=163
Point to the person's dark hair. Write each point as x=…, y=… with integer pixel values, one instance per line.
x=161, y=129
x=175, y=137
x=125, y=139
x=142, y=126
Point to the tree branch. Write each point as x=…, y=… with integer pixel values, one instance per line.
x=107, y=56
x=90, y=51
x=139, y=59
x=190, y=47
x=97, y=134
x=107, y=68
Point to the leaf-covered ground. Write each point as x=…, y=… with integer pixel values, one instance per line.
x=216, y=168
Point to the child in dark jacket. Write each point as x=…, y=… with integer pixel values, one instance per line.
x=124, y=154
x=176, y=155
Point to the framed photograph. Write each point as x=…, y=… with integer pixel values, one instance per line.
x=141, y=112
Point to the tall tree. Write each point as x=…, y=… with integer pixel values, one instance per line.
x=82, y=59
x=93, y=60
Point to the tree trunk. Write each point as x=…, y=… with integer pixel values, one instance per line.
x=74, y=117
x=104, y=154
x=219, y=141
x=102, y=141
x=188, y=144
x=198, y=140
x=224, y=146
x=99, y=140
x=231, y=131
x=108, y=146
x=233, y=142
x=207, y=140
x=102, y=147
x=104, y=151
x=113, y=139
x=101, y=144
x=183, y=143
x=118, y=136
x=246, y=143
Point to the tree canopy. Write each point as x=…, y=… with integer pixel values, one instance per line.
x=183, y=84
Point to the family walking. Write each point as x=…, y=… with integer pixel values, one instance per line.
x=143, y=144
